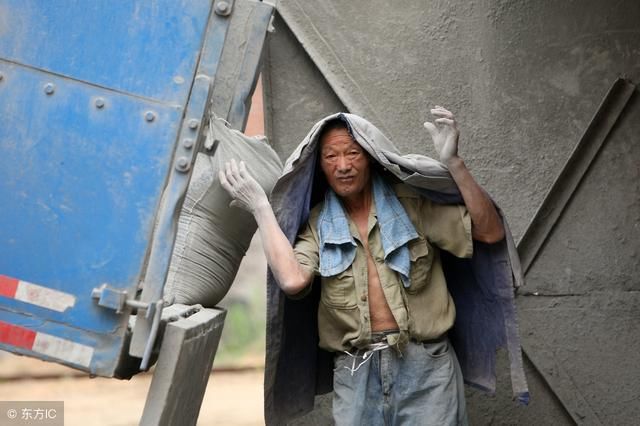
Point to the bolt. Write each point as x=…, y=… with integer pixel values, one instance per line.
x=193, y=124
x=149, y=116
x=99, y=103
x=49, y=88
x=187, y=143
x=182, y=164
x=222, y=8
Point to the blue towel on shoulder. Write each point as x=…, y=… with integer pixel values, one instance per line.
x=338, y=247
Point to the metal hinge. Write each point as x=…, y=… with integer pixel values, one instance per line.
x=119, y=300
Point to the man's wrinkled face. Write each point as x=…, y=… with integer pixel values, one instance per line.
x=344, y=163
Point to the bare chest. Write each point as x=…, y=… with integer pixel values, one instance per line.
x=380, y=313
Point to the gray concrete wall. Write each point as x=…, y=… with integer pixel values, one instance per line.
x=296, y=95
x=580, y=312
x=524, y=79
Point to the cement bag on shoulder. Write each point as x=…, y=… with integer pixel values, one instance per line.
x=212, y=237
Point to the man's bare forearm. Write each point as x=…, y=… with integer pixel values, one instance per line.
x=247, y=194
x=291, y=277
x=486, y=222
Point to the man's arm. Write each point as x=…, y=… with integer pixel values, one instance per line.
x=248, y=195
x=486, y=223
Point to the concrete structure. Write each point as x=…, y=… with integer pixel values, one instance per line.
x=528, y=81
x=189, y=344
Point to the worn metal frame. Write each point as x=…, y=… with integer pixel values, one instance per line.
x=190, y=140
x=219, y=61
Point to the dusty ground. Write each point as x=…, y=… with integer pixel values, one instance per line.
x=232, y=398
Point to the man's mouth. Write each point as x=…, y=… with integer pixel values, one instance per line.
x=346, y=179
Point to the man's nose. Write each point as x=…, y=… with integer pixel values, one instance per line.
x=344, y=164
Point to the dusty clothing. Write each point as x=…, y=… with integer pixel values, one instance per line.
x=423, y=386
x=297, y=369
x=422, y=311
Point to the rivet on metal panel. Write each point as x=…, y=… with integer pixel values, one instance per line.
x=223, y=8
x=49, y=88
x=193, y=124
x=187, y=143
x=149, y=116
x=182, y=164
x=99, y=103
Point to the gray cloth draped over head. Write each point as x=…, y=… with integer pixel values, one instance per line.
x=482, y=287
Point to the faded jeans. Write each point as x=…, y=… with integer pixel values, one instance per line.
x=422, y=386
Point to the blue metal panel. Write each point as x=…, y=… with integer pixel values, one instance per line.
x=162, y=244
x=148, y=48
x=80, y=186
x=92, y=99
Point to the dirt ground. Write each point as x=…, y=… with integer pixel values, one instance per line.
x=231, y=399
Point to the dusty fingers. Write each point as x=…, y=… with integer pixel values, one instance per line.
x=444, y=133
x=444, y=116
x=441, y=111
x=241, y=186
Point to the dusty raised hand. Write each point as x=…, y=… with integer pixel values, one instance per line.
x=242, y=187
x=445, y=134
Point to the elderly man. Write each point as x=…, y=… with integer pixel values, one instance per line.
x=384, y=307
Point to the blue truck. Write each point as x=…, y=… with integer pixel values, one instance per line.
x=103, y=108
